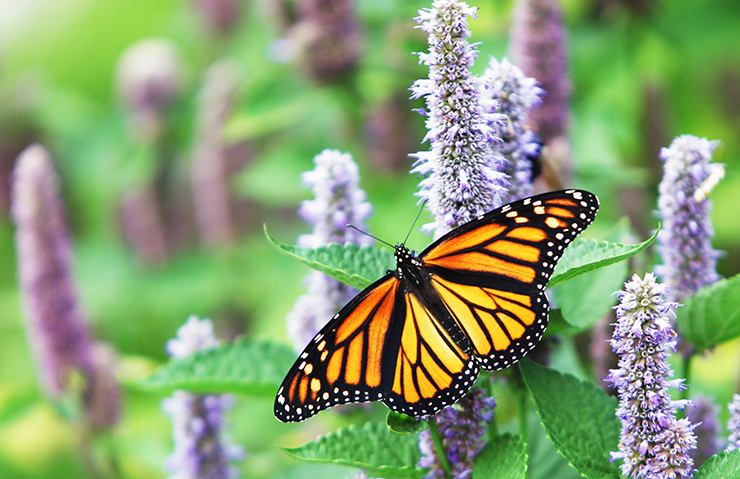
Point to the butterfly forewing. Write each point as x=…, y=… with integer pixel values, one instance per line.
x=491, y=273
x=345, y=360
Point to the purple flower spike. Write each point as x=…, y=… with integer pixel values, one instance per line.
x=689, y=262
x=654, y=444
x=515, y=95
x=461, y=177
x=338, y=201
x=733, y=424
x=462, y=429
x=197, y=420
x=55, y=320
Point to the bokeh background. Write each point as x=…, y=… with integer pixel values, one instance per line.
x=642, y=71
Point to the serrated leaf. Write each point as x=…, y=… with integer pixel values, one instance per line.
x=587, y=255
x=725, y=465
x=544, y=461
x=402, y=424
x=357, y=266
x=244, y=366
x=578, y=417
x=712, y=315
x=585, y=299
x=371, y=447
x=503, y=457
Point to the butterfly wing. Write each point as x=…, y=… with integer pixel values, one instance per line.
x=384, y=345
x=491, y=272
x=347, y=360
x=431, y=370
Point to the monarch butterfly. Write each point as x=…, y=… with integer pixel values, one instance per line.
x=417, y=337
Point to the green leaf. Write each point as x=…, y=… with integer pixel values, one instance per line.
x=371, y=447
x=585, y=299
x=503, y=457
x=557, y=324
x=587, y=255
x=357, y=266
x=402, y=424
x=544, y=461
x=578, y=417
x=712, y=315
x=244, y=366
x=725, y=465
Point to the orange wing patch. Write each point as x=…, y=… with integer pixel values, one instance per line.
x=491, y=318
x=465, y=241
x=430, y=367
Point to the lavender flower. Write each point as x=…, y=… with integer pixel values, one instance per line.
x=461, y=177
x=220, y=15
x=148, y=80
x=516, y=95
x=689, y=262
x=328, y=37
x=200, y=450
x=538, y=47
x=209, y=169
x=462, y=428
x=56, y=324
x=338, y=201
x=654, y=444
x=733, y=424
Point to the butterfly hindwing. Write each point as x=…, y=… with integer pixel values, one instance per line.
x=491, y=272
x=431, y=370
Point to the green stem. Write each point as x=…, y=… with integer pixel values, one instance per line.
x=441, y=453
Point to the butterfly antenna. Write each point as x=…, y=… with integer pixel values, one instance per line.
x=368, y=234
x=423, y=204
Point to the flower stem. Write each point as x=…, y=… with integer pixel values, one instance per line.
x=441, y=453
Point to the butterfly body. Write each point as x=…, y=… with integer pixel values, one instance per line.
x=417, y=337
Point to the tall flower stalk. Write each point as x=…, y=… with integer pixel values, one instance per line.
x=538, y=47
x=201, y=451
x=338, y=201
x=55, y=320
x=461, y=171
x=515, y=94
x=685, y=238
x=653, y=444
x=209, y=171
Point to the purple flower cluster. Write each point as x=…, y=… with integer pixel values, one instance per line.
x=462, y=428
x=55, y=320
x=654, y=444
x=733, y=424
x=461, y=177
x=689, y=262
x=539, y=48
x=338, y=201
x=515, y=95
x=200, y=449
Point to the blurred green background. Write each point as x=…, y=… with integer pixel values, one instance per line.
x=643, y=72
